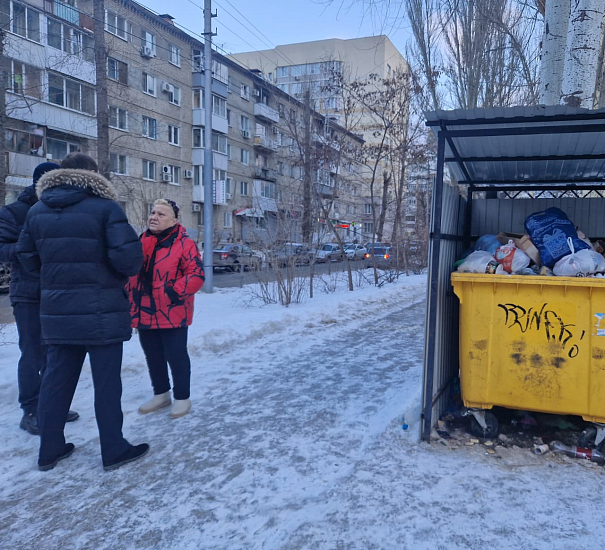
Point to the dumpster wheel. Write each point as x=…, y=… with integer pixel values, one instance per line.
x=491, y=425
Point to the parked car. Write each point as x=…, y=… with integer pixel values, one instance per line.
x=369, y=245
x=330, y=252
x=381, y=256
x=355, y=251
x=234, y=257
x=291, y=254
x=5, y=277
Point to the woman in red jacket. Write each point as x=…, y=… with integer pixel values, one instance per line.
x=161, y=305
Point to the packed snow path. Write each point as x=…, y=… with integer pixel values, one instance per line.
x=293, y=443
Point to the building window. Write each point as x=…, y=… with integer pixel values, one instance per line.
x=245, y=157
x=282, y=72
x=219, y=143
x=174, y=96
x=228, y=186
x=228, y=151
x=281, y=110
x=243, y=188
x=174, y=135
x=117, y=70
x=149, y=170
x=367, y=208
x=227, y=219
x=70, y=93
x=219, y=106
x=245, y=92
x=245, y=124
x=149, y=84
x=280, y=168
x=198, y=99
x=58, y=149
x=175, y=55
x=292, y=115
x=368, y=228
x=354, y=191
x=24, y=21
x=267, y=190
x=198, y=138
x=54, y=35
x=175, y=174
x=198, y=60
x=23, y=79
x=229, y=117
x=149, y=127
x=148, y=41
x=115, y=24
x=118, y=164
x=118, y=118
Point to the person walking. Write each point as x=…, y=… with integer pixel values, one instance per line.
x=77, y=240
x=162, y=296
x=24, y=296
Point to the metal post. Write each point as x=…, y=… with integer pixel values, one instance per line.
x=431, y=328
x=208, y=168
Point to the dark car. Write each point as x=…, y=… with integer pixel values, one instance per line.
x=291, y=254
x=381, y=256
x=234, y=257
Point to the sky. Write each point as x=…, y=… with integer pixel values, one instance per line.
x=283, y=21
x=295, y=441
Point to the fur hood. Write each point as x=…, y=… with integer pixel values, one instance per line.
x=78, y=178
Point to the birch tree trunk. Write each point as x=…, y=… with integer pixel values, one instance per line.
x=582, y=54
x=556, y=20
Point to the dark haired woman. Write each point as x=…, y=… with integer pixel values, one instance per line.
x=161, y=298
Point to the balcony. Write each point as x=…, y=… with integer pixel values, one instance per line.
x=263, y=173
x=266, y=113
x=63, y=11
x=263, y=142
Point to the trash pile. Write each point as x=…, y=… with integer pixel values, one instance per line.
x=552, y=246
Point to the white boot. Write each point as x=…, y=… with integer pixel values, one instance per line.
x=156, y=402
x=180, y=407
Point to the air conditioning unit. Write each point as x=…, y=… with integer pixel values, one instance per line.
x=166, y=177
x=256, y=93
x=246, y=133
x=167, y=87
x=227, y=196
x=275, y=130
x=146, y=51
x=195, y=207
x=166, y=169
x=188, y=174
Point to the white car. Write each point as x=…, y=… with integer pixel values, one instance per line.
x=355, y=251
x=330, y=252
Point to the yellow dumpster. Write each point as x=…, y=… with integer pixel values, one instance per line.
x=532, y=343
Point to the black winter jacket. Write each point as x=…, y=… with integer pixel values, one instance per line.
x=12, y=217
x=77, y=240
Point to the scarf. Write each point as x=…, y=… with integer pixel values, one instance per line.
x=151, y=243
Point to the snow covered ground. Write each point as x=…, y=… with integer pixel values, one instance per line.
x=294, y=442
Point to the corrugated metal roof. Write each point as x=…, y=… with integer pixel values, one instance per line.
x=544, y=135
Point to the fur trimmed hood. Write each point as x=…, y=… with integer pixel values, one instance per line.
x=84, y=179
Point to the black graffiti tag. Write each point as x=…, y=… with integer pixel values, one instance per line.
x=547, y=320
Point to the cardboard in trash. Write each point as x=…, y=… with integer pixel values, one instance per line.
x=523, y=242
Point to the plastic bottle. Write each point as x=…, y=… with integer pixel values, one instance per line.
x=577, y=452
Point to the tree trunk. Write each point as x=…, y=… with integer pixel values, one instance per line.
x=3, y=155
x=386, y=183
x=556, y=21
x=581, y=59
x=307, y=206
x=101, y=74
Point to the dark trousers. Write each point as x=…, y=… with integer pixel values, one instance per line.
x=58, y=386
x=33, y=354
x=163, y=347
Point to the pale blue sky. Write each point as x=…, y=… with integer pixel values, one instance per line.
x=282, y=21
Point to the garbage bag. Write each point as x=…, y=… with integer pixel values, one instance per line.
x=511, y=257
x=549, y=231
x=579, y=264
x=489, y=243
x=478, y=262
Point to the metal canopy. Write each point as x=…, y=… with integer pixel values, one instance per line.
x=554, y=147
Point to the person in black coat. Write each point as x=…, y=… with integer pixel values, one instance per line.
x=24, y=295
x=77, y=240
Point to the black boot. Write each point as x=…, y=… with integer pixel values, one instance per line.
x=44, y=465
x=72, y=416
x=29, y=423
x=134, y=453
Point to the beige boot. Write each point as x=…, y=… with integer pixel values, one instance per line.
x=156, y=402
x=180, y=407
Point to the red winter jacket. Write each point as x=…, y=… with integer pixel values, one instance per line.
x=162, y=297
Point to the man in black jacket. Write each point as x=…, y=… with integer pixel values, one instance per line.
x=77, y=240
x=24, y=294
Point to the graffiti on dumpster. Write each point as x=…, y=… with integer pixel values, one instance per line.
x=545, y=320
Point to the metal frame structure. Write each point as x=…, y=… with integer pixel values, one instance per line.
x=536, y=150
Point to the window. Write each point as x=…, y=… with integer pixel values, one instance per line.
x=54, y=33
x=292, y=115
x=83, y=46
x=174, y=96
x=198, y=138
x=70, y=93
x=24, y=21
x=175, y=55
x=58, y=149
x=229, y=117
x=227, y=219
x=368, y=228
x=282, y=72
x=219, y=143
x=71, y=41
x=118, y=118
x=245, y=123
x=118, y=164
x=115, y=24
x=245, y=92
x=267, y=190
x=23, y=79
x=219, y=106
x=228, y=151
x=149, y=84
x=245, y=157
x=281, y=110
x=198, y=99
x=354, y=191
x=148, y=41
x=198, y=60
x=280, y=168
x=117, y=70
x=175, y=174
x=228, y=185
x=149, y=127
x=367, y=208
x=149, y=170
x=174, y=135
x=243, y=189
